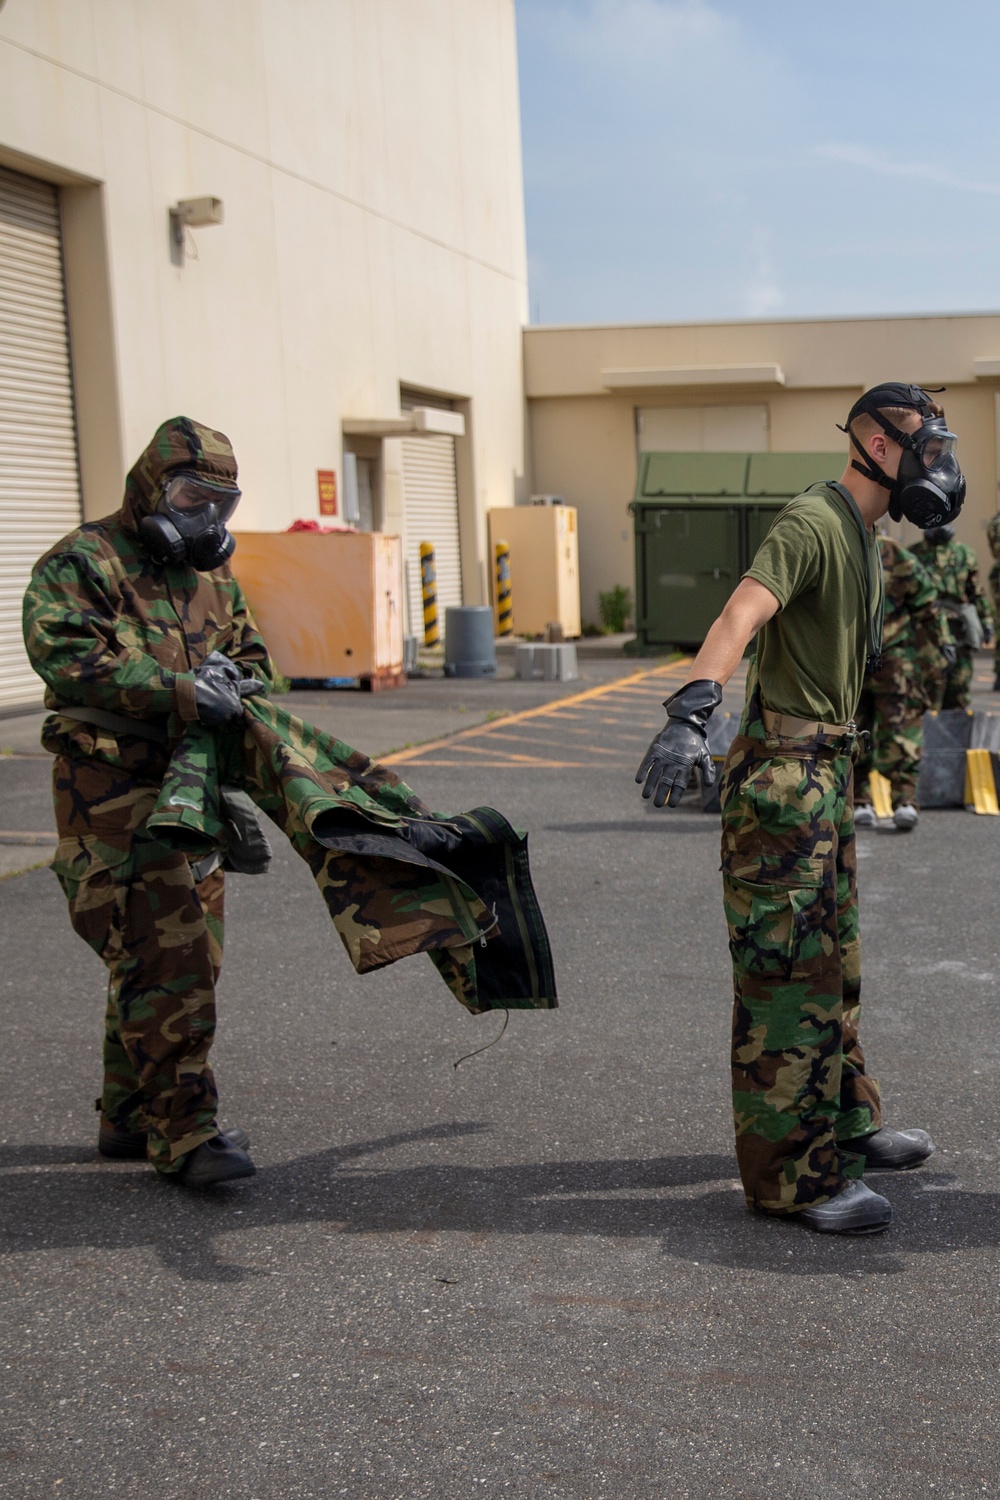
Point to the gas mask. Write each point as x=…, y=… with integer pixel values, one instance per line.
x=929, y=488
x=189, y=523
x=938, y=535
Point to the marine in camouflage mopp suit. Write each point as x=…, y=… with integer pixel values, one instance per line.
x=910, y=679
x=109, y=629
x=993, y=538
x=953, y=570
x=119, y=637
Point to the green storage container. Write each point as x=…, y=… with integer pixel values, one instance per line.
x=699, y=519
x=757, y=522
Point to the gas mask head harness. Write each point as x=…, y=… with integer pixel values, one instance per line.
x=929, y=487
x=188, y=523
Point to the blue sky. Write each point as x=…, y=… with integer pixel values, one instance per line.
x=690, y=159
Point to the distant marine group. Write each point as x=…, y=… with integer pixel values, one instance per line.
x=936, y=617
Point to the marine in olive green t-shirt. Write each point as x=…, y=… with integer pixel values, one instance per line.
x=810, y=656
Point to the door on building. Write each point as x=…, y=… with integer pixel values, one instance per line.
x=430, y=498
x=39, y=473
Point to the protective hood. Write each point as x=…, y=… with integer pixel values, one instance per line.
x=179, y=444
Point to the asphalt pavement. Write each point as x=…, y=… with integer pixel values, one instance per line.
x=533, y=1275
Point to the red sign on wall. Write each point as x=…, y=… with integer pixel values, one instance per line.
x=327, y=481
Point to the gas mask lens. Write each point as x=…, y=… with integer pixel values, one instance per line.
x=189, y=523
x=935, y=448
x=187, y=494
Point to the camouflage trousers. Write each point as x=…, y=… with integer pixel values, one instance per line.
x=136, y=904
x=789, y=884
x=955, y=689
x=894, y=718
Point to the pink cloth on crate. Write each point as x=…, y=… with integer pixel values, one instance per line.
x=316, y=526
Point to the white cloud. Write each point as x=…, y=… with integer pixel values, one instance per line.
x=875, y=161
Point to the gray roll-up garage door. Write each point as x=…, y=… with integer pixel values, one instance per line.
x=430, y=496
x=39, y=475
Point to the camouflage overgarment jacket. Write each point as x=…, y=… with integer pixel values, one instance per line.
x=953, y=571
x=911, y=630
x=108, y=629
x=470, y=906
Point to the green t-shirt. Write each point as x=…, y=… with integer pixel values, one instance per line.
x=810, y=657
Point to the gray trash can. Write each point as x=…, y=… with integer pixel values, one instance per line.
x=469, y=648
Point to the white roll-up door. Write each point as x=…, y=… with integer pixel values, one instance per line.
x=39, y=476
x=430, y=495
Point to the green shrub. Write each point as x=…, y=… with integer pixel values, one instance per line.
x=615, y=607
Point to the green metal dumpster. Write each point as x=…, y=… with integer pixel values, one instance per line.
x=699, y=519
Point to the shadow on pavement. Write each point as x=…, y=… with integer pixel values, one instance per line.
x=120, y=1208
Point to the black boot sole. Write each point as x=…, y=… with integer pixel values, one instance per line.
x=232, y=1173
x=861, y=1229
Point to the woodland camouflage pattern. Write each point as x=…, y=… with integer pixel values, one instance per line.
x=952, y=568
x=108, y=628
x=790, y=893
x=350, y=819
x=993, y=537
x=910, y=679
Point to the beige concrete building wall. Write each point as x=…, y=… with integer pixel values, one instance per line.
x=367, y=153
x=584, y=387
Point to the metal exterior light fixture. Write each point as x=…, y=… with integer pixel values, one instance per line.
x=191, y=213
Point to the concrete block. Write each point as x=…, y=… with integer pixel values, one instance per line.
x=536, y=661
x=947, y=736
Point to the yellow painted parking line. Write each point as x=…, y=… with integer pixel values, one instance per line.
x=401, y=757
x=535, y=739
x=501, y=765
x=580, y=714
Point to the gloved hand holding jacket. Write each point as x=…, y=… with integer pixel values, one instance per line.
x=219, y=690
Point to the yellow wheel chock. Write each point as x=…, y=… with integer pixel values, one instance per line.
x=881, y=790
x=980, y=783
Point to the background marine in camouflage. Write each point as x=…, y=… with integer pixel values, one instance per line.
x=993, y=537
x=952, y=568
x=895, y=697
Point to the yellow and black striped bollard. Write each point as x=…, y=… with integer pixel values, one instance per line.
x=505, y=609
x=428, y=587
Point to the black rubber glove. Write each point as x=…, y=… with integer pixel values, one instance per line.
x=950, y=654
x=667, y=765
x=218, y=695
x=217, y=663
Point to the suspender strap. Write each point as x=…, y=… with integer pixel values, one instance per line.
x=874, y=616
